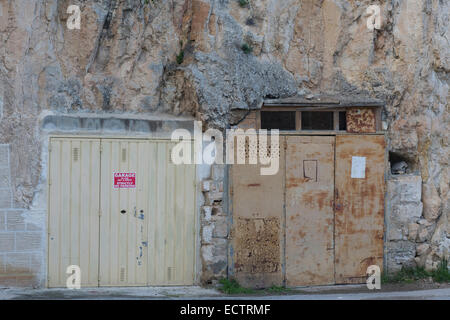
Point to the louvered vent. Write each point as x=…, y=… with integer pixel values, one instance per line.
x=75, y=154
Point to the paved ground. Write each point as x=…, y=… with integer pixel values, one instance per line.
x=196, y=293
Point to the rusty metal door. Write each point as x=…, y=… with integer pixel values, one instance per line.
x=257, y=205
x=321, y=217
x=359, y=212
x=309, y=210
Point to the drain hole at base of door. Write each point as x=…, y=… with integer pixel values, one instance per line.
x=123, y=211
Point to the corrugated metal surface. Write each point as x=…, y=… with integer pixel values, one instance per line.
x=147, y=233
x=359, y=211
x=257, y=204
x=124, y=215
x=361, y=120
x=309, y=210
x=73, y=209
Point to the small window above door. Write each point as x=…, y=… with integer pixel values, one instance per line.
x=351, y=119
x=281, y=120
x=303, y=120
x=317, y=120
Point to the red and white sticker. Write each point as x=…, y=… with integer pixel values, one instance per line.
x=124, y=180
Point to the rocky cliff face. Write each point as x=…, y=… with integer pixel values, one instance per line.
x=209, y=58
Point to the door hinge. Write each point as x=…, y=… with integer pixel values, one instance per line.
x=99, y=212
x=49, y=182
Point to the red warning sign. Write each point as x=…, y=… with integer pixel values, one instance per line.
x=124, y=180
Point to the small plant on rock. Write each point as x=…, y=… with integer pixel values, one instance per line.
x=243, y=3
x=412, y=274
x=180, y=56
x=441, y=274
x=246, y=48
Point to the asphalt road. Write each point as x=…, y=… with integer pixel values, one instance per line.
x=197, y=293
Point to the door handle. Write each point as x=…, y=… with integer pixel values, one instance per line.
x=123, y=211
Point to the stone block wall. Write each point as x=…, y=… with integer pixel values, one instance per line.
x=214, y=227
x=413, y=238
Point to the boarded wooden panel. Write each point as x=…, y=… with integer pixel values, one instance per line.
x=361, y=120
x=359, y=213
x=257, y=204
x=73, y=210
x=309, y=210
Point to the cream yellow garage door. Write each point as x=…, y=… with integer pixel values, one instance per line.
x=121, y=211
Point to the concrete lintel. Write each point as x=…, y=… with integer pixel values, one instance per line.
x=103, y=124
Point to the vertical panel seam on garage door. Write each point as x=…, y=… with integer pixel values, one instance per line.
x=79, y=207
x=334, y=210
x=70, y=200
x=284, y=210
x=99, y=209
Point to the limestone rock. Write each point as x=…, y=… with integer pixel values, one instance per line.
x=423, y=234
x=422, y=249
x=431, y=202
x=413, y=229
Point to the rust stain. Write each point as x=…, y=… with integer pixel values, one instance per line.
x=254, y=185
x=360, y=219
x=295, y=182
x=302, y=234
x=314, y=197
x=361, y=120
x=16, y=276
